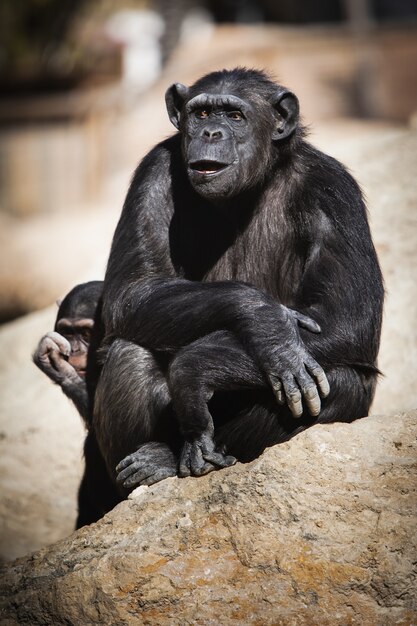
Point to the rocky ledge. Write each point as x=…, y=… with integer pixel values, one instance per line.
x=319, y=530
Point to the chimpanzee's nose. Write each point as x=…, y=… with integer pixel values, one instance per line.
x=212, y=134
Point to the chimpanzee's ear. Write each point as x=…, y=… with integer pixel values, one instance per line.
x=287, y=111
x=175, y=97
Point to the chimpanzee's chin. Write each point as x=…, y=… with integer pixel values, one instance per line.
x=214, y=187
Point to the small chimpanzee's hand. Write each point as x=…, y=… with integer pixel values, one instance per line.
x=151, y=463
x=200, y=456
x=51, y=356
x=292, y=372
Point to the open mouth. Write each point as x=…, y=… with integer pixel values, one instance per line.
x=208, y=167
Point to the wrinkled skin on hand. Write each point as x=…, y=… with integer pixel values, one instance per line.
x=51, y=356
x=201, y=456
x=149, y=464
x=276, y=344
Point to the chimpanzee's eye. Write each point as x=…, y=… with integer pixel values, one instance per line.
x=201, y=113
x=67, y=332
x=86, y=334
x=235, y=115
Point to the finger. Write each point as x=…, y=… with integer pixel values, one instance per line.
x=58, y=362
x=157, y=476
x=198, y=465
x=206, y=468
x=293, y=396
x=321, y=378
x=276, y=388
x=45, y=346
x=129, y=471
x=125, y=462
x=306, y=322
x=184, y=464
x=312, y=400
x=139, y=477
x=310, y=393
x=219, y=459
x=184, y=470
x=323, y=384
x=63, y=344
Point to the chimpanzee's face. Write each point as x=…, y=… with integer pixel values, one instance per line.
x=222, y=147
x=229, y=132
x=78, y=333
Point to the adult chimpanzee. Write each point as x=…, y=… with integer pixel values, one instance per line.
x=242, y=289
x=62, y=356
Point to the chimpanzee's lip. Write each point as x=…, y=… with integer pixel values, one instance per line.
x=82, y=373
x=208, y=167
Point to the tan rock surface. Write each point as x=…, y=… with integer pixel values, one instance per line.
x=320, y=530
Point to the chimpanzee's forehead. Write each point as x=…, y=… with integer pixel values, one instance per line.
x=217, y=100
x=81, y=301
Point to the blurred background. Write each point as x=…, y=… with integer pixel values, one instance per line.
x=81, y=101
x=82, y=87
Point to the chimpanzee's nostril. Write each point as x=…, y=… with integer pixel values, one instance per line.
x=212, y=134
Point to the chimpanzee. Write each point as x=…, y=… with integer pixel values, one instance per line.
x=243, y=298
x=62, y=353
x=62, y=356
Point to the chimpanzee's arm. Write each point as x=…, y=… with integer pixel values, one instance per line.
x=342, y=287
x=51, y=357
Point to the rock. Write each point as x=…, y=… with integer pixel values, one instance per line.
x=319, y=530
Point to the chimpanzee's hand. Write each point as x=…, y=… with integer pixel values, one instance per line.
x=276, y=344
x=51, y=356
x=151, y=463
x=200, y=456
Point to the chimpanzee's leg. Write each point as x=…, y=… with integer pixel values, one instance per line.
x=133, y=419
x=217, y=363
x=133, y=401
x=198, y=373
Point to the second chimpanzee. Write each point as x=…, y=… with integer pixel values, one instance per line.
x=242, y=289
x=62, y=355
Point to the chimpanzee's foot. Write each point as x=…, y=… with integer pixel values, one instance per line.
x=151, y=463
x=201, y=456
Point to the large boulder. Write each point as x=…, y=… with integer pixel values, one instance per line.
x=320, y=530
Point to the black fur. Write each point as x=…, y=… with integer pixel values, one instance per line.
x=205, y=352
